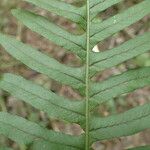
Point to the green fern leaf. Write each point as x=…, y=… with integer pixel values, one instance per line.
x=43, y=99
x=42, y=63
x=41, y=25
x=122, y=124
x=26, y=132
x=79, y=78
x=116, y=23
x=68, y=11
x=120, y=84
x=124, y=52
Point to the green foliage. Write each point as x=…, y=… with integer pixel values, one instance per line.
x=79, y=78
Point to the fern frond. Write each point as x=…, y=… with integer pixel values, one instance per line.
x=26, y=132
x=42, y=63
x=101, y=31
x=42, y=99
x=79, y=78
x=120, y=84
x=63, y=9
x=97, y=6
x=130, y=49
x=42, y=26
x=128, y=123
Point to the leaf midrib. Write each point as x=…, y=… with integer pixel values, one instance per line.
x=87, y=113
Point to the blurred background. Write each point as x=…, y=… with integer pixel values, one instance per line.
x=9, y=25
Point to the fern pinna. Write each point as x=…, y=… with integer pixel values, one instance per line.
x=94, y=94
